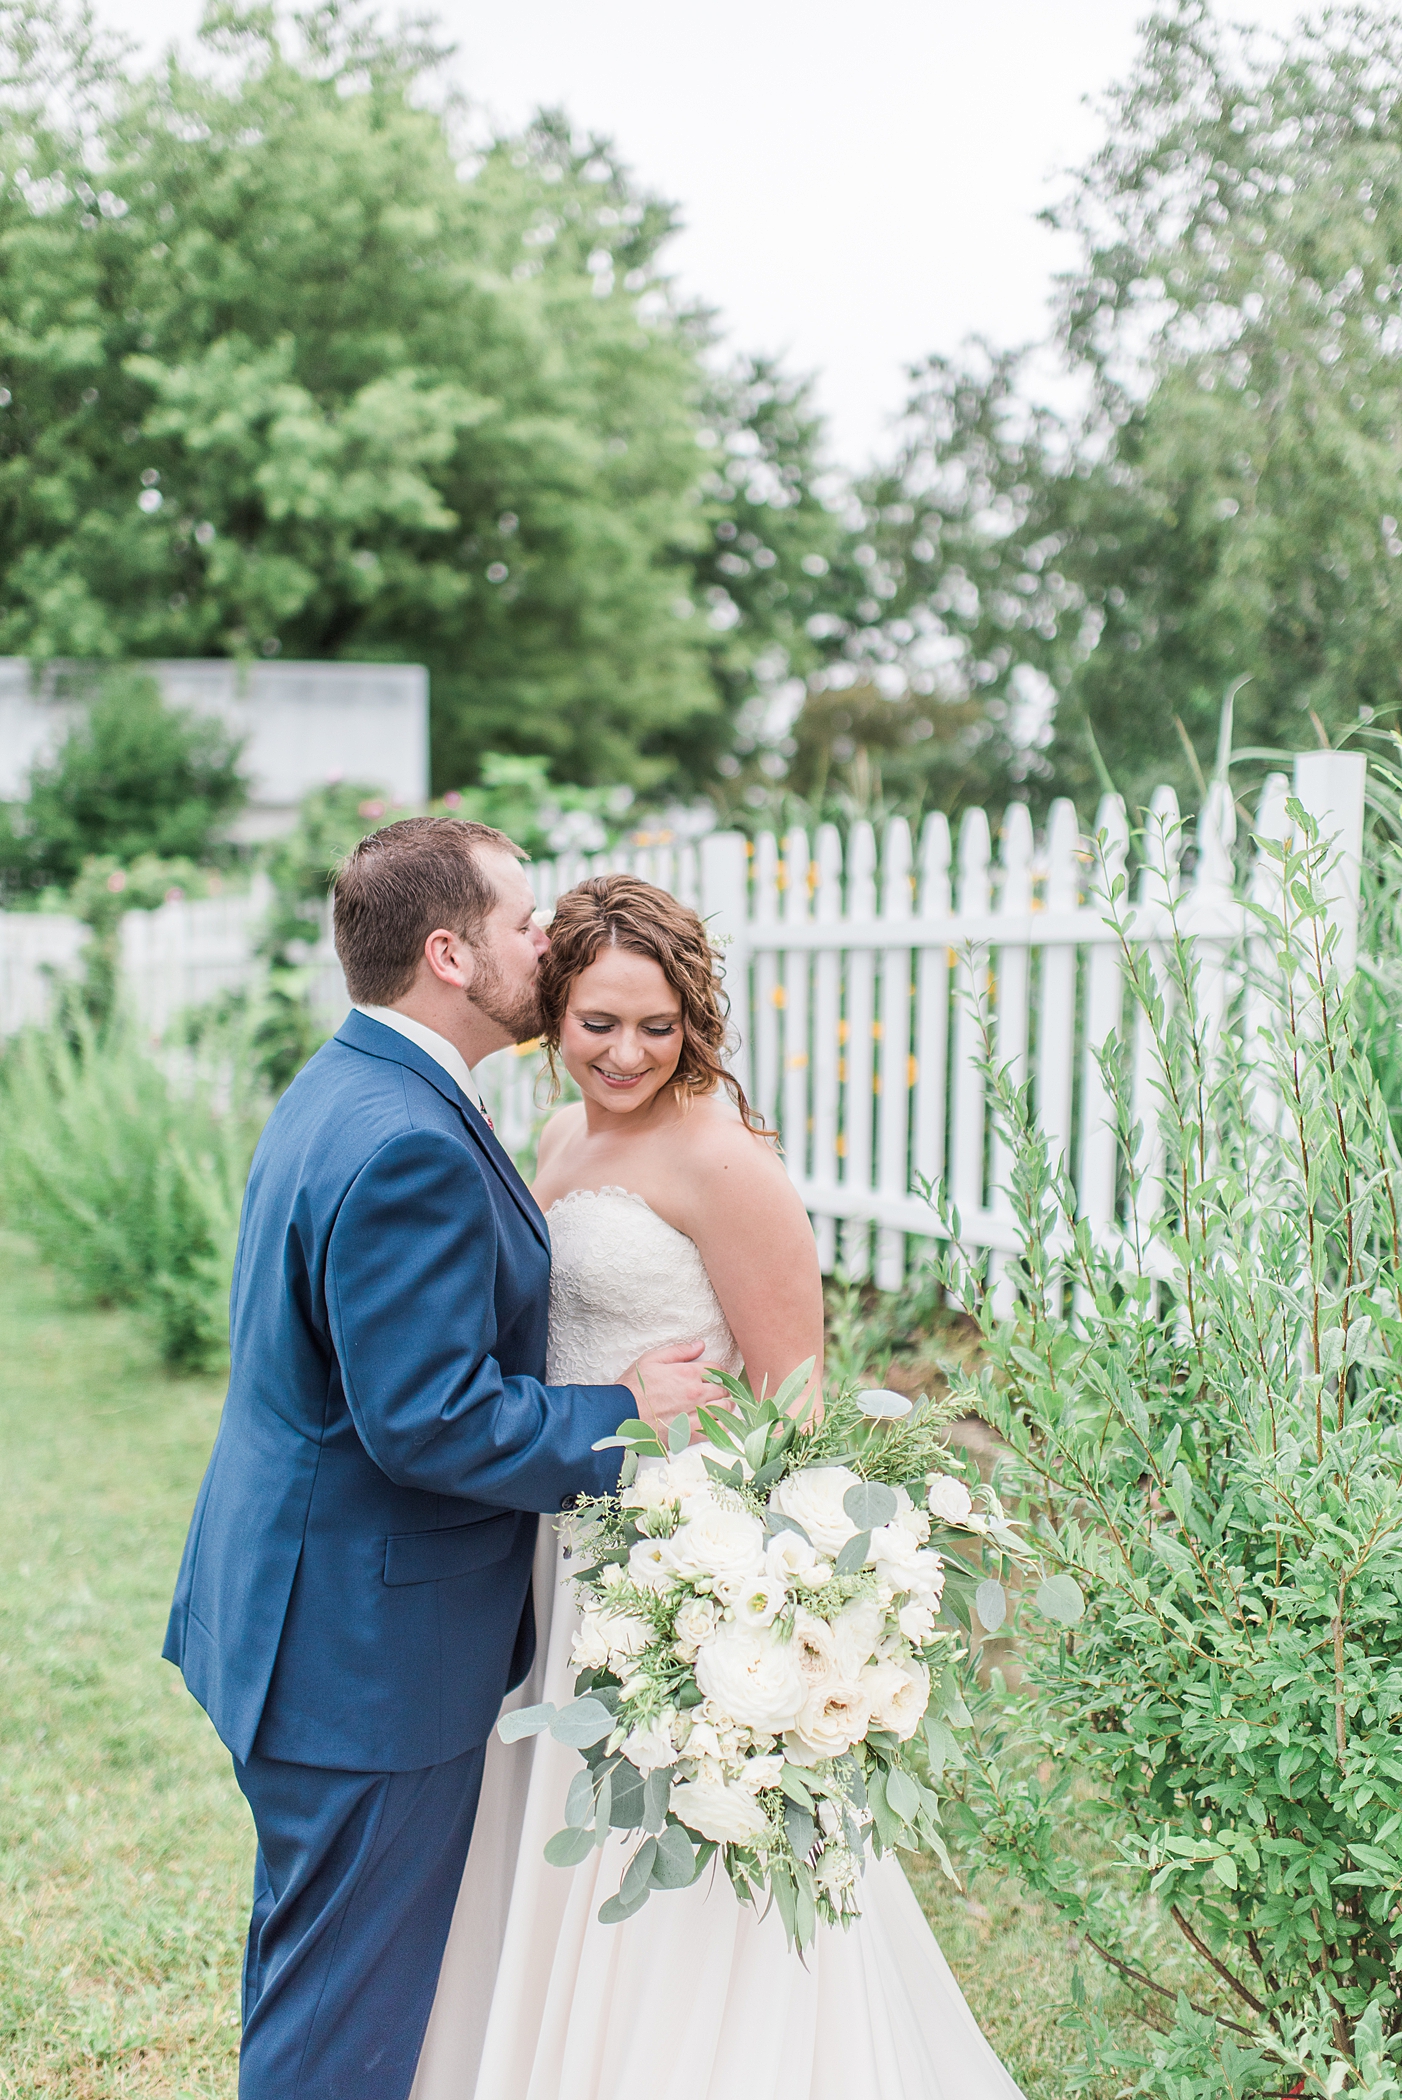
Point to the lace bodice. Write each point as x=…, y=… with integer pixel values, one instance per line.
x=622, y=1280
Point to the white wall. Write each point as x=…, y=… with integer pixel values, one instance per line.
x=303, y=724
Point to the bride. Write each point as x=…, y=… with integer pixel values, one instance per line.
x=671, y=1217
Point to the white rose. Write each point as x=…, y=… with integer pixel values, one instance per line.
x=611, y=1576
x=949, y=1499
x=590, y=1649
x=651, y=1748
x=696, y=1621
x=899, y=1693
x=760, y=1772
x=650, y=1490
x=833, y=1717
x=792, y=1559
x=627, y=1635
x=686, y=1474
x=728, y=1814
x=760, y=1601
x=917, y=1623
x=752, y=1675
x=855, y=1631
x=813, y=1498
x=721, y=1546
x=815, y=1648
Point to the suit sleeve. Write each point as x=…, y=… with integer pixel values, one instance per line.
x=410, y=1290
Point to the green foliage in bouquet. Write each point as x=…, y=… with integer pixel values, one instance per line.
x=764, y=1669
x=1204, y=1431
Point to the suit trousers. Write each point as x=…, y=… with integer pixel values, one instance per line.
x=354, y=1886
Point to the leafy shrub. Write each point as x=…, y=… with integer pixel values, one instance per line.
x=128, y=1182
x=1208, y=1441
x=133, y=777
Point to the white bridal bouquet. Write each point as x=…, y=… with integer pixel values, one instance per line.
x=762, y=1666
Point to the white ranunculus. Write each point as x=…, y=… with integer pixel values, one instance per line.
x=924, y=1577
x=590, y=1649
x=651, y=1748
x=915, y=1521
x=760, y=1601
x=815, y=1648
x=890, y=1543
x=917, y=1623
x=833, y=1717
x=813, y=1498
x=627, y=1635
x=696, y=1621
x=720, y=1546
x=752, y=1675
x=728, y=1814
x=899, y=1693
x=855, y=1631
x=760, y=1772
x=949, y=1499
x=650, y=1565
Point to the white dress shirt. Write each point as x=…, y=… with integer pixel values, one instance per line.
x=432, y=1044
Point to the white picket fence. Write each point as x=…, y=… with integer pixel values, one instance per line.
x=852, y=977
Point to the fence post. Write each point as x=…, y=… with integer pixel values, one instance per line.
x=725, y=908
x=1330, y=785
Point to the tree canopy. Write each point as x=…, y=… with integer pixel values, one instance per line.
x=288, y=370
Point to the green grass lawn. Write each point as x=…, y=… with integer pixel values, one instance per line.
x=125, y=1848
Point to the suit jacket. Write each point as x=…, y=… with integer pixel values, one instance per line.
x=355, y=1589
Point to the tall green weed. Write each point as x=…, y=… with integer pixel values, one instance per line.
x=1203, y=1429
x=128, y=1175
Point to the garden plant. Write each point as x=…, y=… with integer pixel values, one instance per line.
x=1202, y=1430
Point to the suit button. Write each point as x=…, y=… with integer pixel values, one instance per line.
x=568, y=1501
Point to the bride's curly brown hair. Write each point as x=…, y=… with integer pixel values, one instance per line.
x=621, y=911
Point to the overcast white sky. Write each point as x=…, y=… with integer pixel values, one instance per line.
x=859, y=183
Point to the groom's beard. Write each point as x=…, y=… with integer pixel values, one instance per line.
x=517, y=1011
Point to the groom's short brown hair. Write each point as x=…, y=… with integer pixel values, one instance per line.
x=397, y=886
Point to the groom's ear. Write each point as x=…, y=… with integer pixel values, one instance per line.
x=450, y=958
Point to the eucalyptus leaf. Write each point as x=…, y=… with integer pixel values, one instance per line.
x=638, y=1870
x=991, y=1604
x=579, y=1801
x=801, y=1828
x=657, y=1793
x=570, y=1846
x=678, y=1436
x=587, y=1721
x=869, y=1503
x=853, y=1554
x=525, y=1720
x=629, y=1802
x=879, y=1404
x=902, y=1794
x=618, y=1908
x=674, y=1864
x=775, y=1521
x=1060, y=1598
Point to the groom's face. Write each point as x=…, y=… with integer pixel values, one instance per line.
x=506, y=953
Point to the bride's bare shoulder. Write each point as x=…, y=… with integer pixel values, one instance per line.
x=557, y=1132
x=718, y=1148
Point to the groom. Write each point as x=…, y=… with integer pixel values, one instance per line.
x=354, y=1599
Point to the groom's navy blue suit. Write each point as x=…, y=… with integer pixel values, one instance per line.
x=354, y=1599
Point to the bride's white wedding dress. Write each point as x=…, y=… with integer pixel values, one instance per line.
x=695, y=1997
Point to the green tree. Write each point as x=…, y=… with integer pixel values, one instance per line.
x=1240, y=310
x=133, y=778
x=282, y=373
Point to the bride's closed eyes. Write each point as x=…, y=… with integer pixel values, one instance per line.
x=605, y=1026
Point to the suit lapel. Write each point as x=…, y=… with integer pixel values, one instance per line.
x=359, y=1032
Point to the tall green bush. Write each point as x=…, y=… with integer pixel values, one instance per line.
x=1207, y=1438
x=133, y=778
x=127, y=1179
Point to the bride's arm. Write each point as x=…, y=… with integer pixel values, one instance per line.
x=754, y=1236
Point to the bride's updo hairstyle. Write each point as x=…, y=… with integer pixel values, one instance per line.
x=620, y=911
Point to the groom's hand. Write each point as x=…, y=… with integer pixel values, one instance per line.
x=669, y=1382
